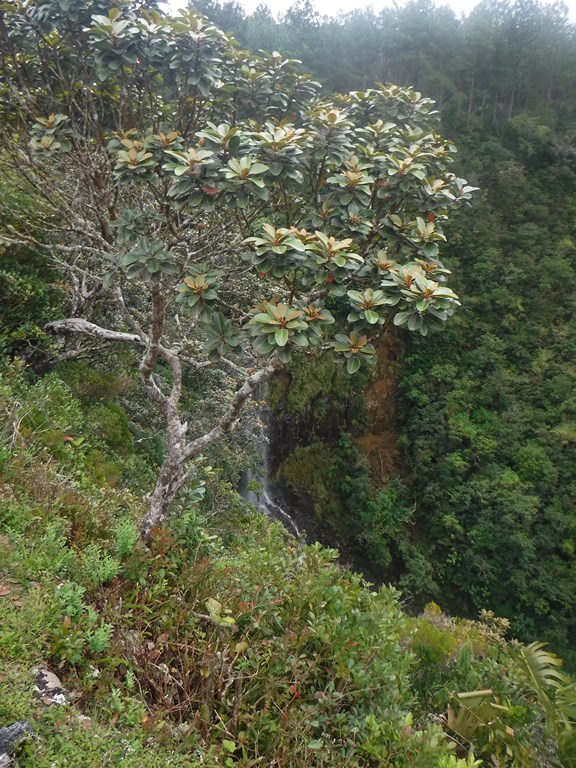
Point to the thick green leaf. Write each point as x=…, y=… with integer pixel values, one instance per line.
x=353, y=364
x=371, y=317
x=281, y=337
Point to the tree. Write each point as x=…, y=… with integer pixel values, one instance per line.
x=208, y=207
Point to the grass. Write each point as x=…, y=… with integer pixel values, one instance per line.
x=223, y=643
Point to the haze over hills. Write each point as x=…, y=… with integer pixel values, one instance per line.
x=217, y=278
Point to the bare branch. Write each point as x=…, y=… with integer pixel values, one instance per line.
x=126, y=314
x=19, y=238
x=85, y=328
x=230, y=418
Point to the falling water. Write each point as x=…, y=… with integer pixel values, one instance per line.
x=263, y=497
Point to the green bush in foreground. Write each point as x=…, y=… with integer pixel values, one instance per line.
x=255, y=652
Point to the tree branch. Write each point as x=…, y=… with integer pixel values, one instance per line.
x=85, y=328
x=228, y=421
x=127, y=315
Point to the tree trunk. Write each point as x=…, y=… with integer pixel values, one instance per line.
x=175, y=472
x=171, y=477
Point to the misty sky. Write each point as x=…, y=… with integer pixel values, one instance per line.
x=331, y=7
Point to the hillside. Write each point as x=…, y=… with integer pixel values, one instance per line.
x=224, y=643
x=214, y=267
x=466, y=495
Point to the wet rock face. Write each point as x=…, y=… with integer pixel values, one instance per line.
x=285, y=434
x=256, y=486
x=314, y=410
x=321, y=419
x=300, y=506
x=304, y=413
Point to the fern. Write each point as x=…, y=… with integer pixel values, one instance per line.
x=566, y=702
x=542, y=669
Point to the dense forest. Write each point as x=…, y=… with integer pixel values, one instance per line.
x=478, y=507
x=220, y=260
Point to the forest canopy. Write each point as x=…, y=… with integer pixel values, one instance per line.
x=183, y=221
x=211, y=197
x=479, y=494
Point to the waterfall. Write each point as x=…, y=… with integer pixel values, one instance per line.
x=263, y=496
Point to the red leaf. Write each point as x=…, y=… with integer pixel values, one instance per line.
x=4, y=590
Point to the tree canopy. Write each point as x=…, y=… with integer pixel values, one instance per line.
x=210, y=207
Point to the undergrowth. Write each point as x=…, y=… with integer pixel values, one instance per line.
x=223, y=643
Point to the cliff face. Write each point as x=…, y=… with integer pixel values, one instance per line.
x=377, y=441
x=332, y=438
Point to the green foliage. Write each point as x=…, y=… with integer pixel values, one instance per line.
x=24, y=300
x=109, y=423
x=72, y=741
x=148, y=261
x=89, y=383
x=542, y=672
x=125, y=537
x=327, y=189
x=198, y=290
x=309, y=388
x=310, y=467
x=355, y=349
x=488, y=70
x=51, y=134
x=69, y=596
x=192, y=651
x=276, y=326
x=98, y=567
x=219, y=202
x=419, y=295
x=494, y=483
x=337, y=477
x=381, y=522
x=80, y=628
x=29, y=296
x=487, y=410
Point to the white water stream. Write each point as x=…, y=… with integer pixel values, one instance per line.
x=261, y=495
